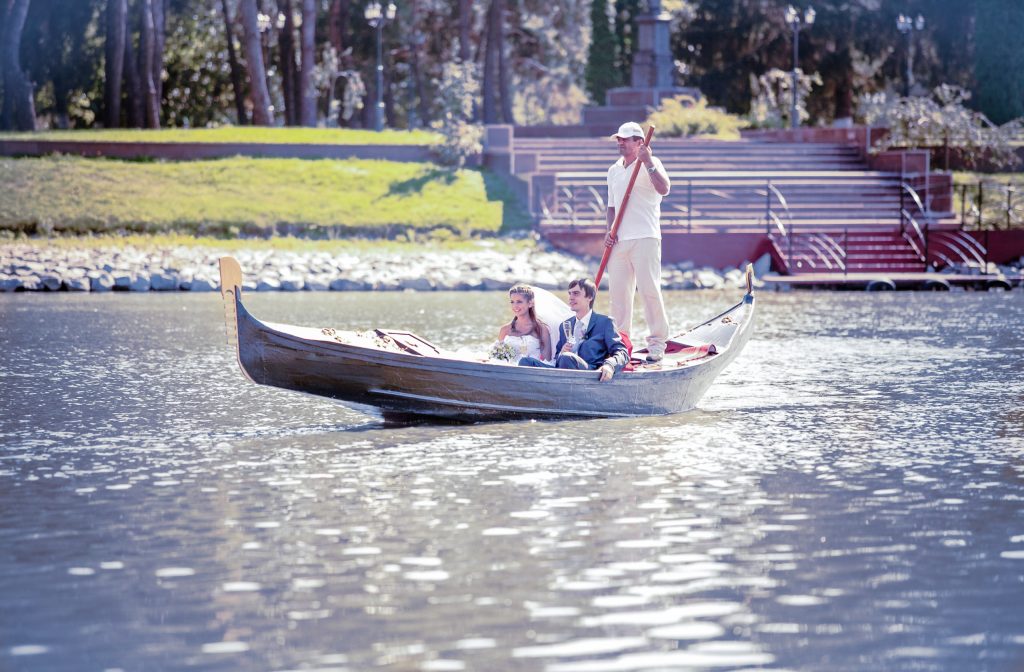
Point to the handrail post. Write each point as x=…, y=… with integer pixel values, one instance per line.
x=768, y=205
x=792, y=233
x=689, y=205
x=981, y=204
x=927, y=237
x=1009, y=203
x=963, y=206
x=903, y=209
x=846, y=250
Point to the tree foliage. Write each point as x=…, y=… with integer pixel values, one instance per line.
x=603, y=54
x=772, y=105
x=539, y=61
x=943, y=120
x=999, y=65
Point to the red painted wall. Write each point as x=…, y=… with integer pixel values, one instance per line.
x=1003, y=246
x=714, y=249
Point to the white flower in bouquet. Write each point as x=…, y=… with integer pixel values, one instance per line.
x=505, y=352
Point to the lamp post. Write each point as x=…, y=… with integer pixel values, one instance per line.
x=907, y=26
x=795, y=20
x=376, y=16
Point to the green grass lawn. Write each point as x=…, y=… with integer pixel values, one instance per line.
x=995, y=197
x=239, y=134
x=251, y=196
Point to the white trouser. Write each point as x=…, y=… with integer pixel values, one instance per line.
x=636, y=265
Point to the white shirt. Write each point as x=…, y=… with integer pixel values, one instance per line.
x=643, y=212
x=580, y=330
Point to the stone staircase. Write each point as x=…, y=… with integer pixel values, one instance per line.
x=821, y=206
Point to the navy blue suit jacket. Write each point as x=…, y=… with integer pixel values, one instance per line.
x=600, y=344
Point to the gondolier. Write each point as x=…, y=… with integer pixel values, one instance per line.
x=635, y=261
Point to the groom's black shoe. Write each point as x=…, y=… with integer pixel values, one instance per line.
x=654, y=359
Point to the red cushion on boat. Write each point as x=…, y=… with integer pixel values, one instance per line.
x=680, y=353
x=629, y=344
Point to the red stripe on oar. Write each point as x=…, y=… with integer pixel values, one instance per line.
x=622, y=208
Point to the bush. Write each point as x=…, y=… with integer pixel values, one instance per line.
x=772, y=103
x=942, y=120
x=685, y=116
x=462, y=139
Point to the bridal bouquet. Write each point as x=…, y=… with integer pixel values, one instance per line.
x=505, y=352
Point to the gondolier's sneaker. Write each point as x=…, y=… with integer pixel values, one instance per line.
x=654, y=359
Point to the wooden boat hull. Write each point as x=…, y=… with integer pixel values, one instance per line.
x=404, y=385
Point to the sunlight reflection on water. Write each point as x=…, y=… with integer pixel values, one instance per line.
x=847, y=496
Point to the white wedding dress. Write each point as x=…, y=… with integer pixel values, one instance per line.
x=552, y=311
x=526, y=346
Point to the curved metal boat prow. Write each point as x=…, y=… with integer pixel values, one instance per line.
x=231, y=292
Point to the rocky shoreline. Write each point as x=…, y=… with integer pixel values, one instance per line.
x=29, y=267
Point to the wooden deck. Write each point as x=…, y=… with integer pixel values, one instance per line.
x=893, y=281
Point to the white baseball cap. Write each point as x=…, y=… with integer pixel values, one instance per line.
x=630, y=129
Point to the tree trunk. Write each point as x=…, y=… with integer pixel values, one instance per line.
x=148, y=48
x=490, y=83
x=307, y=91
x=117, y=25
x=159, y=42
x=133, y=83
x=6, y=102
x=504, y=91
x=262, y=112
x=337, y=21
x=465, y=22
x=286, y=45
x=19, y=110
x=236, y=70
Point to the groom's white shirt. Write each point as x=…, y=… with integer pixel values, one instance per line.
x=580, y=329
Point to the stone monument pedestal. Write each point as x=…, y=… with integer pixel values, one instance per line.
x=652, y=79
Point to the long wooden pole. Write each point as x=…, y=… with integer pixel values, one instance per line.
x=621, y=209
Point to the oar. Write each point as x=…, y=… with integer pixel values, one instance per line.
x=622, y=208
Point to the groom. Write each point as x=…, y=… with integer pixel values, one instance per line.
x=588, y=340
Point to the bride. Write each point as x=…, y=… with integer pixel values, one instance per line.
x=530, y=335
x=526, y=333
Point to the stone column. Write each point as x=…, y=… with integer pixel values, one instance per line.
x=653, y=65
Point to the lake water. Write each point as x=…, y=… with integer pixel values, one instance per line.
x=847, y=496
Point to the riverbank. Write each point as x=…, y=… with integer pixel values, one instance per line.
x=169, y=265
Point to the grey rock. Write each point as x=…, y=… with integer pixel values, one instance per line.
x=292, y=283
x=139, y=283
x=268, y=284
x=122, y=281
x=494, y=284
x=201, y=285
x=51, y=282
x=316, y=284
x=81, y=284
x=346, y=285
x=101, y=282
x=10, y=283
x=763, y=265
x=417, y=284
x=31, y=283
x=163, y=281
x=709, y=280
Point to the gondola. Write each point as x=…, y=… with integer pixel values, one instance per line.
x=407, y=378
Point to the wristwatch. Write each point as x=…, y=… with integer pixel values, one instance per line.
x=653, y=169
